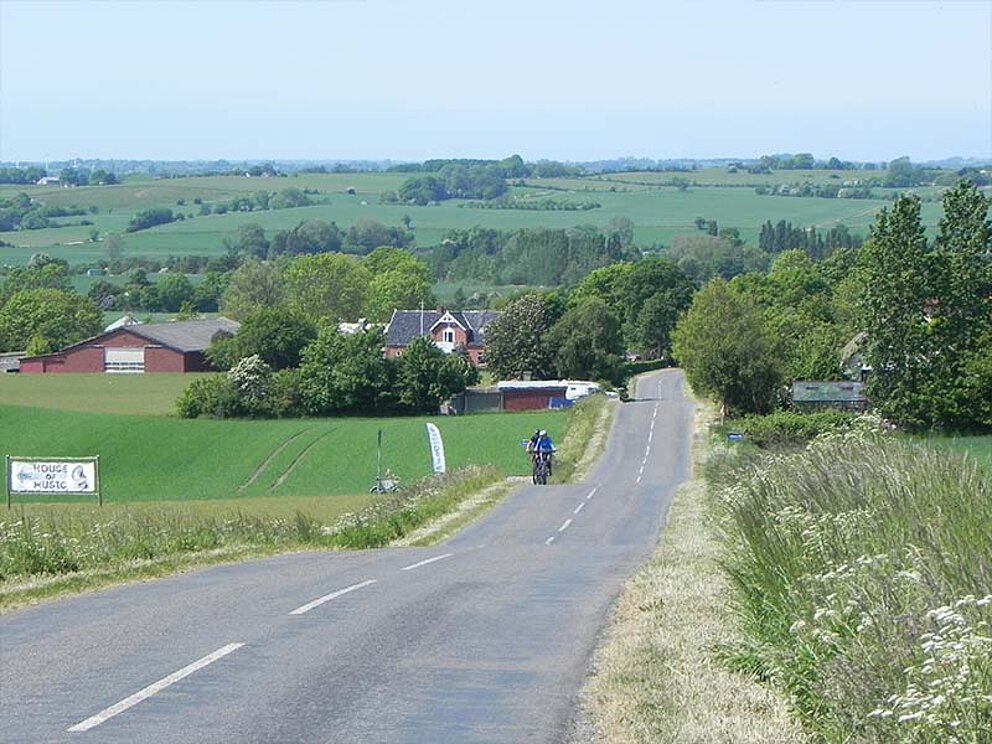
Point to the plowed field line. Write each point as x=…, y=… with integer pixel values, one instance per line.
x=265, y=463
x=296, y=461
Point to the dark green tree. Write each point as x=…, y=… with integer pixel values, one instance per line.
x=277, y=335
x=728, y=351
x=426, y=376
x=342, y=374
x=515, y=342
x=587, y=343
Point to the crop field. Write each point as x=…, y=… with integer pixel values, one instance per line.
x=88, y=393
x=157, y=458
x=978, y=447
x=659, y=213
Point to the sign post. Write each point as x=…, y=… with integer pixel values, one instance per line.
x=53, y=475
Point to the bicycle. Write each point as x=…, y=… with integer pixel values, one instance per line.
x=542, y=468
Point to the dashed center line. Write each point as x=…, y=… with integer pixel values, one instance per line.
x=328, y=597
x=147, y=692
x=592, y=493
x=549, y=540
x=565, y=526
x=424, y=563
x=579, y=507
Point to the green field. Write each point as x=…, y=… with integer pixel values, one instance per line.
x=150, y=458
x=152, y=394
x=659, y=213
x=978, y=447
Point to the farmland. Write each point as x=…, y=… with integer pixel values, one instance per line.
x=658, y=212
x=149, y=458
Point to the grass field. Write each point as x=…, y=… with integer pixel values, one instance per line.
x=978, y=447
x=87, y=393
x=659, y=213
x=149, y=458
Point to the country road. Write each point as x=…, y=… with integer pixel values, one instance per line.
x=483, y=638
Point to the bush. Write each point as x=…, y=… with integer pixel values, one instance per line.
x=787, y=429
x=216, y=397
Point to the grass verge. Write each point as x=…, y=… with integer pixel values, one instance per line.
x=863, y=581
x=48, y=554
x=657, y=677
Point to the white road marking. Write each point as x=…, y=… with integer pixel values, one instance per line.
x=641, y=471
x=429, y=560
x=328, y=597
x=592, y=493
x=549, y=540
x=579, y=507
x=637, y=480
x=650, y=435
x=565, y=526
x=147, y=692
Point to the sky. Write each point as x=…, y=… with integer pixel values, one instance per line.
x=547, y=79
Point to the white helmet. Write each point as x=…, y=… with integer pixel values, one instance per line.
x=542, y=433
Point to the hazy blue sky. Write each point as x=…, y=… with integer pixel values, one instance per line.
x=568, y=80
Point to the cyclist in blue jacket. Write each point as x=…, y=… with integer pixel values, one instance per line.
x=541, y=444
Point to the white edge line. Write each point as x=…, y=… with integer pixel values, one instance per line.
x=328, y=597
x=549, y=540
x=565, y=526
x=579, y=507
x=424, y=563
x=147, y=692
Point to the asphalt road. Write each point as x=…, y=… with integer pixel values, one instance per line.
x=484, y=638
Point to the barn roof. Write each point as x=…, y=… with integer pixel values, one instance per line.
x=185, y=335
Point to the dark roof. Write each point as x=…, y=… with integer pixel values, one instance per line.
x=184, y=335
x=406, y=325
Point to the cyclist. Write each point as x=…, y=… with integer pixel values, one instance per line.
x=541, y=445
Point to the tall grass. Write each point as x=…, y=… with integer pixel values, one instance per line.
x=862, y=570
x=59, y=543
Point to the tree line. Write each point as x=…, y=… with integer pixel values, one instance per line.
x=917, y=309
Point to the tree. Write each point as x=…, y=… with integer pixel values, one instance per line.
x=515, y=341
x=347, y=374
x=649, y=326
x=894, y=310
x=49, y=319
x=587, y=343
x=173, y=291
x=274, y=334
x=326, y=288
x=399, y=281
x=249, y=240
x=728, y=351
x=253, y=285
x=426, y=376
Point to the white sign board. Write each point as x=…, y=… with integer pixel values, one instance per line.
x=51, y=476
x=437, y=448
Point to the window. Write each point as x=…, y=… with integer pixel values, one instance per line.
x=448, y=336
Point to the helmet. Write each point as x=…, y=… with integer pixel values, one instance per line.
x=542, y=433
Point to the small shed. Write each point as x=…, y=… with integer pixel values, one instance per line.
x=10, y=361
x=532, y=395
x=813, y=395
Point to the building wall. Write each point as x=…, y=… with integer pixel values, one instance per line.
x=160, y=359
x=530, y=400
x=90, y=358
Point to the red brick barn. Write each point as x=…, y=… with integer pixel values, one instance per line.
x=155, y=347
x=451, y=330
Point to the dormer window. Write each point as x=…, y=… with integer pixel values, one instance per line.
x=448, y=336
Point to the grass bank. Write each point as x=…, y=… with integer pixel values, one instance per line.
x=657, y=677
x=862, y=577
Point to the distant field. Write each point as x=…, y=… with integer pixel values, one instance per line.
x=150, y=394
x=150, y=458
x=659, y=213
x=978, y=447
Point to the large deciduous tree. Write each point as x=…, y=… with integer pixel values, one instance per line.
x=347, y=374
x=728, y=351
x=515, y=341
x=587, y=343
x=253, y=285
x=326, y=288
x=426, y=376
x=275, y=334
x=40, y=321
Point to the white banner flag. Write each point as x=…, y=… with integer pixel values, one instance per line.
x=437, y=448
x=52, y=476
